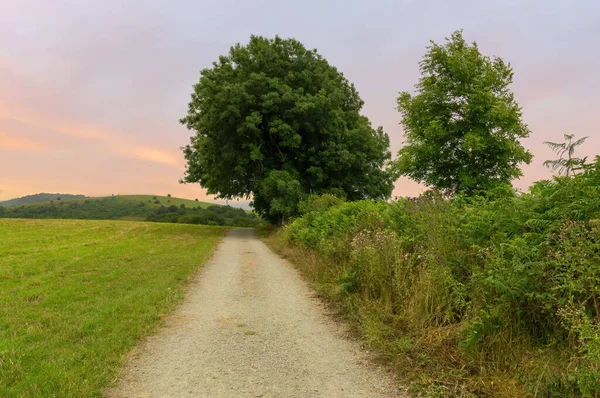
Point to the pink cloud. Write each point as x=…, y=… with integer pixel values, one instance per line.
x=153, y=155
x=9, y=142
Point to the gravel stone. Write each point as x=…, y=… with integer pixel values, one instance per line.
x=251, y=327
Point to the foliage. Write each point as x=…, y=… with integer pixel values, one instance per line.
x=76, y=296
x=586, y=329
x=463, y=124
x=114, y=208
x=318, y=203
x=510, y=280
x=274, y=105
x=279, y=194
x=569, y=165
x=213, y=215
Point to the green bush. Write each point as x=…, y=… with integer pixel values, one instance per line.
x=318, y=203
x=513, y=275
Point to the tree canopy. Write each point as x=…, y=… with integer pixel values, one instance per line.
x=272, y=105
x=463, y=125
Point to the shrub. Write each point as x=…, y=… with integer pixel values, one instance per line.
x=511, y=275
x=318, y=203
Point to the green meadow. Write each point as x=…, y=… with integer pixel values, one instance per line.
x=76, y=295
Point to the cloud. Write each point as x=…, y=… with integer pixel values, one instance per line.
x=153, y=155
x=19, y=144
x=69, y=129
x=98, y=108
x=23, y=133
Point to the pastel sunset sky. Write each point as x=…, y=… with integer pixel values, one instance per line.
x=91, y=91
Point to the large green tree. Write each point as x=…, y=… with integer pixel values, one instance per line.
x=463, y=124
x=273, y=105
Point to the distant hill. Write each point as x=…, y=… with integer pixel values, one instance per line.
x=135, y=207
x=162, y=200
x=40, y=198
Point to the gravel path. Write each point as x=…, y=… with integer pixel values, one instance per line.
x=250, y=327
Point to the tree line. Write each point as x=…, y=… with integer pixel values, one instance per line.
x=275, y=122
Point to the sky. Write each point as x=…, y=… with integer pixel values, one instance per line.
x=91, y=91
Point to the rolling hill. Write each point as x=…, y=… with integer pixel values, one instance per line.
x=163, y=201
x=40, y=198
x=136, y=208
x=150, y=199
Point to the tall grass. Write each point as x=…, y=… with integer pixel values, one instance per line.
x=492, y=295
x=76, y=295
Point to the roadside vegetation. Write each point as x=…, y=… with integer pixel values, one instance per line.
x=494, y=294
x=75, y=296
x=136, y=208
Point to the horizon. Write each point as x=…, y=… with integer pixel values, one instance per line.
x=233, y=203
x=91, y=94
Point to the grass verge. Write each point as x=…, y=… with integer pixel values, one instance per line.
x=76, y=295
x=427, y=360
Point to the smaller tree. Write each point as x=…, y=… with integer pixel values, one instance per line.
x=566, y=165
x=463, y=124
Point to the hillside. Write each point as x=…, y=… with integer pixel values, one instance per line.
x=162, y=201
x=138, y=208
x=150, y=199
x=40, y=198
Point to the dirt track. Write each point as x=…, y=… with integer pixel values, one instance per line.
x=250, y=327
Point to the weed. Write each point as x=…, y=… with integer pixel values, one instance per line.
x=497, y=294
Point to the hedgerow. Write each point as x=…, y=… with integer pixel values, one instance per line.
x=509, y=282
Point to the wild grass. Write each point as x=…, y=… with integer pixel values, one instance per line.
x=492, y=295
x=75, y=296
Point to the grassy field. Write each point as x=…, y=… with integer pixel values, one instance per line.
x=75, y=296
